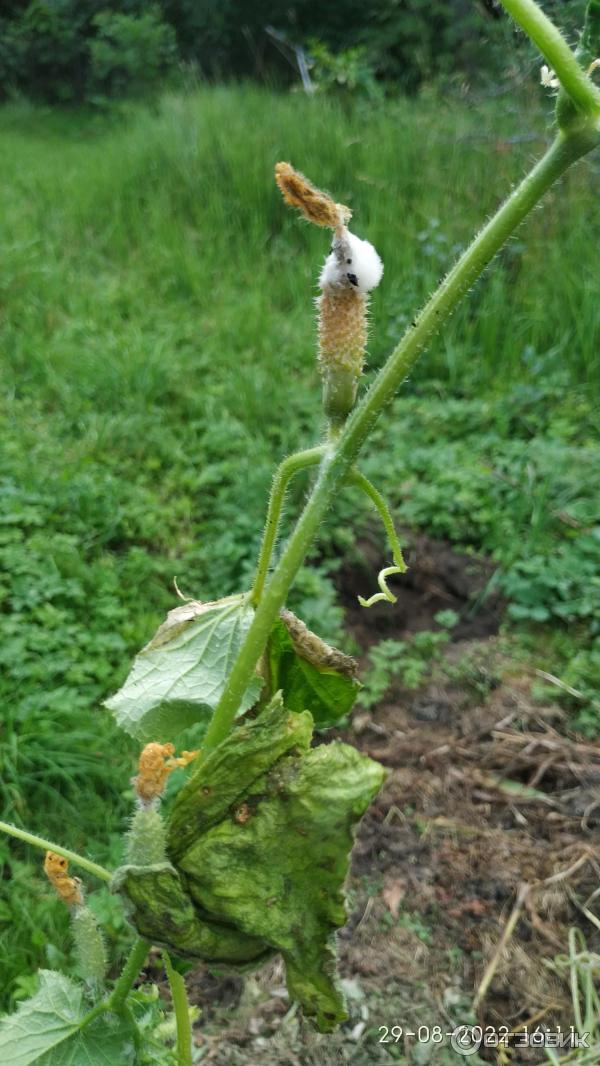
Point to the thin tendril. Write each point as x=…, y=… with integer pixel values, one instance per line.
x=386, y=593
x=399, y=567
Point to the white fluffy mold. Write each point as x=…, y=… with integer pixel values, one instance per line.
x=352, y=262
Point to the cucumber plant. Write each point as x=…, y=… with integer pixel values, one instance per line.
x=251, y=857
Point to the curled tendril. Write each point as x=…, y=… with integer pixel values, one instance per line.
x=386, y=593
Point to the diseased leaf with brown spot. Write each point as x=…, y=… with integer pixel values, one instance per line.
x=311, y=674
x=260, y=839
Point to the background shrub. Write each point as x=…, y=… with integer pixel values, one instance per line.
x=130, y=52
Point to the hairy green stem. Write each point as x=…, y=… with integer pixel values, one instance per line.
x=362, y=482
x=336, y=463
x=95, y=1012
x=49, y=845
x=137, y=958
x=117, y=1001
x=129, y=1017
x=555, y=49
x=182, y=1013
x=285, y=471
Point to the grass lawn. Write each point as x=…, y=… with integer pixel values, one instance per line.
x=157, y=341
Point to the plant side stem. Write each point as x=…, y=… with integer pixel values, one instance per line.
x=285, y=471
x=336, y=464
x=182, y=1013
x=555, y=49
x=49, y=845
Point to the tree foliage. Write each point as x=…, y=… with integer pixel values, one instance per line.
x=66, y=51
x=71, y=50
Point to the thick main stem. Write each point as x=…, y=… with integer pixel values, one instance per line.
x=336, y=464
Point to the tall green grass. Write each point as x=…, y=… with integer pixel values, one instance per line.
x=157, y=360
x=176, y=209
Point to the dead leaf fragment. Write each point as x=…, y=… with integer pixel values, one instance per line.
x=392, y=895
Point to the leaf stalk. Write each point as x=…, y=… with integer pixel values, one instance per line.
x=290, y=466
x=49, y=845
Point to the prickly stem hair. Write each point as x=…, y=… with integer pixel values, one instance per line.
x=146, y=839
x=90, y=949
x=342, y=345
x=147, y=836
x=350, y=271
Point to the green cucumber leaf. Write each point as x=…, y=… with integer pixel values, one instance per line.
x=259, y=841
x=312, y=675
x=46, y=1030
x=179, y=677
x=231, y=769
x=276, y=868
x=157, y=905
x=267, y=854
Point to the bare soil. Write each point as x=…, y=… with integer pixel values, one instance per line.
x=491, y=810
x=438, y=579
